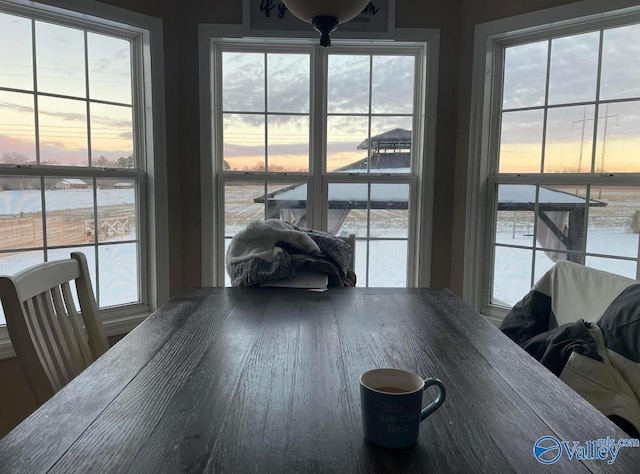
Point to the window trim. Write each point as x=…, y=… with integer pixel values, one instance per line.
x=154, y=228
x=420, y=236
x=489, y=39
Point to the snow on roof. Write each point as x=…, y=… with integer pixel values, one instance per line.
x=74, y=181
x=356, y=195
x=397, y=137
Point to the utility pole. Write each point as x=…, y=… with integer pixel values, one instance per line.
x=584, y=120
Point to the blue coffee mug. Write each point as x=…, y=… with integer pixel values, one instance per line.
x=392, y=406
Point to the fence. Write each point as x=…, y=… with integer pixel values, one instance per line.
x=70, y=227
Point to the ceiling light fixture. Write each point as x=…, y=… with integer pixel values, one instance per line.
x=325, y=15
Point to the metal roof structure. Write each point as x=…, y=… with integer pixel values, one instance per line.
x=291, y=202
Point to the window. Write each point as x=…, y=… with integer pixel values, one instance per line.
x=329, y=139
x=74, y=152
x=561, y=177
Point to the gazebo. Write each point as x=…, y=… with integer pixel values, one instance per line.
x=391, y=152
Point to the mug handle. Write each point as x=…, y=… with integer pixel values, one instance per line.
x=437, y=403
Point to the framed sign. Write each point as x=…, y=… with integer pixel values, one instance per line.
x=272, y=18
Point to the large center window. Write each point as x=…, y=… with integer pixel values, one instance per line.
x=323, y=138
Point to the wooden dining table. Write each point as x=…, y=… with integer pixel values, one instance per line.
x=267, y=380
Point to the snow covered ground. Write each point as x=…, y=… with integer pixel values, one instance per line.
x=512, y=278
x=118, y=278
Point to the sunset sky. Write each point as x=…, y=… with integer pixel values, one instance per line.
x=573, y=79
x=61, y=71
x=62, y=118
x=287, y=95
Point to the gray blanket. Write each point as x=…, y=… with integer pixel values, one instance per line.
x=273, y=249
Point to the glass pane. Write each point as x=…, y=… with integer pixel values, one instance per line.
x=109, y=68
x=544, y=263
x=389, y=210
x=569, y=139
x=243, y=203
x=614, y=221
x=514, y=228
x=348, y=84
x=521, y=142
x=16, y=61
x=387, y=263
x=12, y=263
x=620, y=63
x=17, y=125
x=116, y=199
x=90, y=253
x=20, y=213
x=626, y=268
x=287, y=202
x=345, y=138
x=390, y=144
x=348, y=209
x=361, y=262
x=63, y=132
x=118, y=275
x=243, y=82
x=288, y=143
x=243, y=142
x=574, y=68
x=618, y=136
x=69, y=206
x=60, y=60
x=511, y=275
x=525, y=75
x=392, y=84
x=515, y=215
x=288, y=80
x=561, y=221
x=111, y=136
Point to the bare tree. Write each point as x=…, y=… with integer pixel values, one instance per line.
x=128, y=162
x=15, y=158
x=102, y=162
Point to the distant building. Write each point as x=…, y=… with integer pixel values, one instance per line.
x=71, y=183
x=123, y=186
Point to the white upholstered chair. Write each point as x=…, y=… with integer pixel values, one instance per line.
x=52, y=341
x=580, y=292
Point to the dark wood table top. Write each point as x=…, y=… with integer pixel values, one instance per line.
x=267, y=380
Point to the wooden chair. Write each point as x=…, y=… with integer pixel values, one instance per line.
x=44, y=325
x=351, y=240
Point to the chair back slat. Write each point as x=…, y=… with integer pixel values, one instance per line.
x=43, y=343
x=52, y=344
x=66, y=350
x=69, y=322
x=97, y=339
x=53, y=335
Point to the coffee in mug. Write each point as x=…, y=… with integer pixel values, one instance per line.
x=392, y=406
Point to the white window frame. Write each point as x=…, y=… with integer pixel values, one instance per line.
x=146, y=32
x=490, y=40
x=212, y=232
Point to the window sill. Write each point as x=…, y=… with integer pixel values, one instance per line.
x=113, y=326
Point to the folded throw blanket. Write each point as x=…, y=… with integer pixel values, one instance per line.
x=263, y=251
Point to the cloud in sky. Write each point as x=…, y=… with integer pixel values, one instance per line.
x=56, y=151
x=276, y=82
x=571, y=140
x=288, y=78
x=574, y=66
